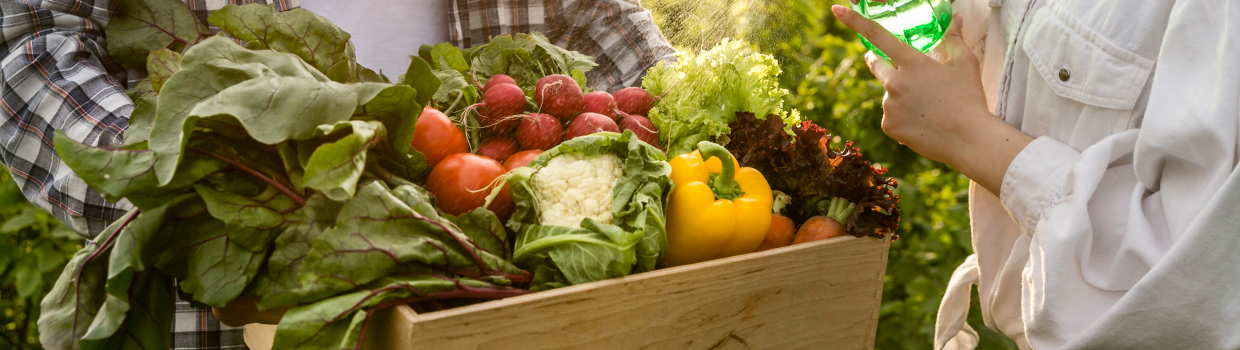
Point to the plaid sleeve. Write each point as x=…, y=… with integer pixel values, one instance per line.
x=54, y=79
x=619, y=34
x=198, y=329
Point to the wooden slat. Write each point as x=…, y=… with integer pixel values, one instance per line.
x=813, y=296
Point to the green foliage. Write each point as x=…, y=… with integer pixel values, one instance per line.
x=34, y=247
x=702, y=93
x=825, y=72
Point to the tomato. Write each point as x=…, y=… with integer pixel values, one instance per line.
x=462, y=181
x=521, y=159
x=436, y=137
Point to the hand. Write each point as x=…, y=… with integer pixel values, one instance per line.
x=244, y=310
x=937, y=106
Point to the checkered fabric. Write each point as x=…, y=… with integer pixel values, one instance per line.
x=619, y=34
x=55, y=74
x=194, y=329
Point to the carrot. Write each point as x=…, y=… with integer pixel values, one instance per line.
x=826, y=226
x=818, y=228
x=780, y=234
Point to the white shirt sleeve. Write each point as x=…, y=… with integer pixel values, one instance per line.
x=1134, y=239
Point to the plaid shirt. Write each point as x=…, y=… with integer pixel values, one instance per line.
x=57, y=76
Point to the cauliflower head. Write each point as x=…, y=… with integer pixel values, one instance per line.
x=573, y=186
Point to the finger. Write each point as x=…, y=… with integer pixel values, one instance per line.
x=900, y=52
x=882, y=68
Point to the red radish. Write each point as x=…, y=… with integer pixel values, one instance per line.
x=539, y=131
x=601, y=102
x=642, y=128
x=633, y=100
x=436, y=137
x=500, y=102
x=462, y=182
x=496, y=80
x=560, y=96
x=589, y=123
x=498, y=148
x=521, y=159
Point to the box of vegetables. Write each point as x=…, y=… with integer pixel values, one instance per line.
x=485, y=198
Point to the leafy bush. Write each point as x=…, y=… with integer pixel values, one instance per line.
x=34, y=247
x=825, y=71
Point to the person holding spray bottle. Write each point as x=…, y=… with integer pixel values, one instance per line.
x=1101, y=137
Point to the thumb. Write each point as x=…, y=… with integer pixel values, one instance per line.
x=953, y=42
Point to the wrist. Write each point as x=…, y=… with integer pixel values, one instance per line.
x=987, y=147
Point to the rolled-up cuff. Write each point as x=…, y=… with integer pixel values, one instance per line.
x=1034, y=180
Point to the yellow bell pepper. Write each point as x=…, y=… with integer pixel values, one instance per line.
x=714, y=218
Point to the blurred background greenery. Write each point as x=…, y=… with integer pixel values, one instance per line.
x=34, y=248
x=829, y=83
x=825, y=72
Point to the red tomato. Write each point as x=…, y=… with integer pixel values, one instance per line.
x=436, y=137
x=462, y=182
x=521, y=159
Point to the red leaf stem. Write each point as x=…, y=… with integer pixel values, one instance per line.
x=256, y=174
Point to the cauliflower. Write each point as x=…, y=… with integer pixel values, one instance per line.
x=573, y=186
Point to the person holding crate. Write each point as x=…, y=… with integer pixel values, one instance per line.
x=1102, y=139
x=57, y=76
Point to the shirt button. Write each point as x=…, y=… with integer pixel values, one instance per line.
x=1064, y=74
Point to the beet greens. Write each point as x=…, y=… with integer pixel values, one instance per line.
x=282, y=169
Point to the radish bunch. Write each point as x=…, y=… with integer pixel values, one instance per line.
x=558, y=111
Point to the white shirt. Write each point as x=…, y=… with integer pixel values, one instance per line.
x=1119, y=226
x=386, y=32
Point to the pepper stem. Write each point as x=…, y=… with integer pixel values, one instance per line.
x=724, y=185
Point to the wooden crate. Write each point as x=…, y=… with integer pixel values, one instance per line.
x=822, y=295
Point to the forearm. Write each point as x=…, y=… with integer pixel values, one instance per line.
x=628, y=44
x=986, y=150
x=53, y=79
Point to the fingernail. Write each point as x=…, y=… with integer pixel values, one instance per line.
x=837, y=10
x=956, y=19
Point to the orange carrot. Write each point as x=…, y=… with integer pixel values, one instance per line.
x=826, y=226
x=818, y=228
x=780, y=234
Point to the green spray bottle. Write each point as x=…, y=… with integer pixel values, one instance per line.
x=920, y=23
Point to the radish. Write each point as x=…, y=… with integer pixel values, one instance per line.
x=601, y=102
x=496, y=80
x=589, y=123
x=642, y=128
x=560, y=96
x=539, y=131
x=498, y=148
x=633, y=100
x=500, y=102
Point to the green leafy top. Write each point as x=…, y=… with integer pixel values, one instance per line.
x=139, y=27
x=702, y=93
x=527, y=58
x=311, y=37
